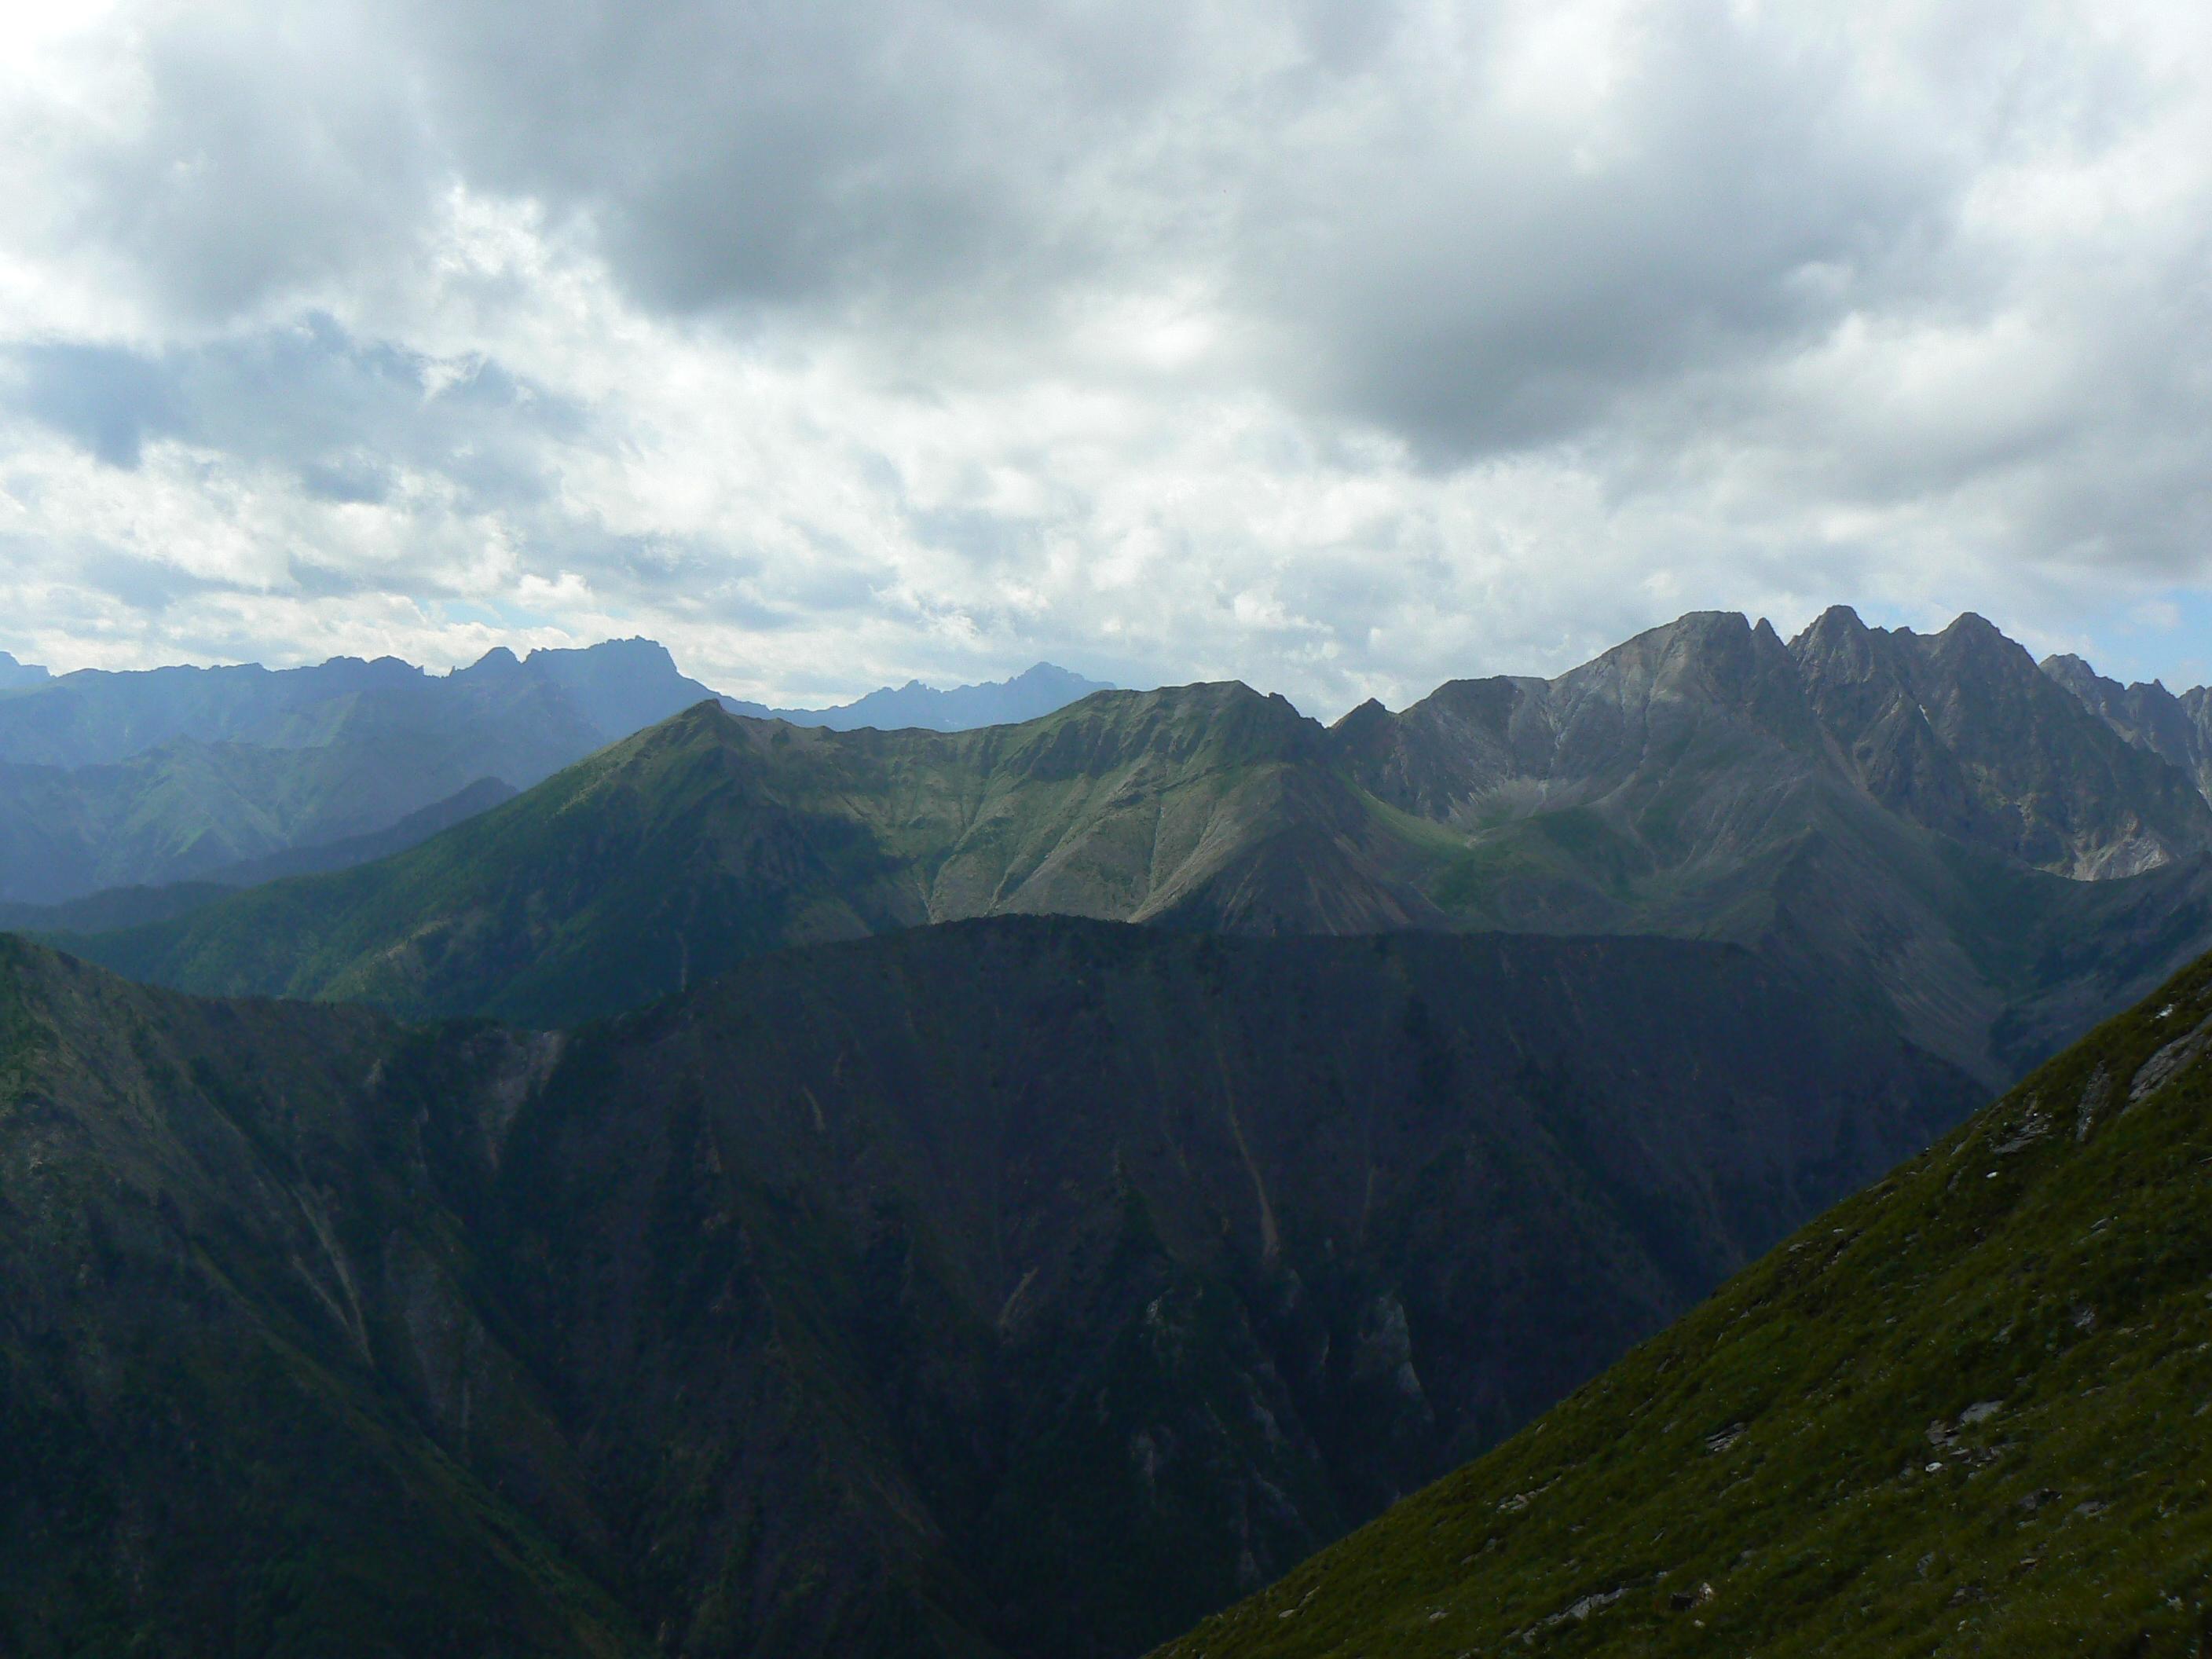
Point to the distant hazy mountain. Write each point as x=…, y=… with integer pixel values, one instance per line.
x=1023, y=1288
x=1875, y=820
x=14, y=675
x=132, y=779
x=110, y=907
x=117, y=780
x=1959, y=1413
x=1035, y=691
x=532, y=713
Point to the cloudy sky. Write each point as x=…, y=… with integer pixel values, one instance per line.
x=1340, y=347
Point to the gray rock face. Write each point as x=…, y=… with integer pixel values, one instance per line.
x=2176, y=728
x=1957, y=732
x=1870, y=802
x=2170, y=1062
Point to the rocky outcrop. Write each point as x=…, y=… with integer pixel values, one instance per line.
x=2178, y=728
x=1960, y=732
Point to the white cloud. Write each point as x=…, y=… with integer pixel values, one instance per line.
x=1343, y=347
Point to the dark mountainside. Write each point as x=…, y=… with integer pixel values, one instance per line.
x=1893, y=816
x=16, y=676
x=1020, y=1287
x=1037, y=690
x=1961, y=1412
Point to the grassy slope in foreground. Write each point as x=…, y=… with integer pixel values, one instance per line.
x=1963, y=1412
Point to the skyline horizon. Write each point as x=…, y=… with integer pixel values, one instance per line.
x=2178, y=679
x=1334, y=348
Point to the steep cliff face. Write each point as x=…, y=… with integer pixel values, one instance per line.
x=1957, y=732
x=2177, y=727
x=1961, y=732
x=1029, y=1286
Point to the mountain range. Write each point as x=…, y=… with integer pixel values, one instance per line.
x=1960, y=1412
x=1027, y=1286
x=1036, y=691
x=112, y=780
x=800, y=1216
x=1928, y=825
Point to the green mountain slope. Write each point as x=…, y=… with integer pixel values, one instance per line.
x=1026, y=1287
x=709, y=839
x=1962, y=1413
x=1694, y=783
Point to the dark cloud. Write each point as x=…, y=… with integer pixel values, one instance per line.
x=342, y=415
x=275, y=152
x=109, y=401
x=1402, y=215
x=1494, y=293
x=782, y=156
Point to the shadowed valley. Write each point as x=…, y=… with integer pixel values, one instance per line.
x=1027, y=1287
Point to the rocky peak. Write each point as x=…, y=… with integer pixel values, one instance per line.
x=1836, y=636
x=1706, y=667
x=2075, y=675
x=1960, y=731
x=2145, y=714
x=1455, y=744
x=499, y=660
x=1979, y=659
x=1363, y=731
x=1971, y=627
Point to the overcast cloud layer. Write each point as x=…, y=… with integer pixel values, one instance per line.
x=1342, y=348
